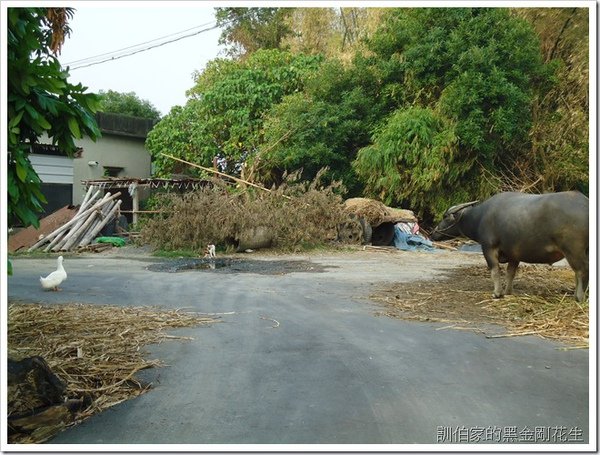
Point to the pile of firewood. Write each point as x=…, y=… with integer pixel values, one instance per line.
x=92, y=216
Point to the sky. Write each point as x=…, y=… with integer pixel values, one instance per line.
x=160, y=75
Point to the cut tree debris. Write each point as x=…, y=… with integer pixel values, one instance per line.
x=80, y=230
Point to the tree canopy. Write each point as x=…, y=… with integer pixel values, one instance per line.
x=40, y=100
x=418, y=107
x=473, y=74
x=246, y=30
x=127, y=104
x=223, y=118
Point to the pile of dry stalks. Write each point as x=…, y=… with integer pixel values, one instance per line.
x=542, y=304
x=96, y=350
x=295, y=215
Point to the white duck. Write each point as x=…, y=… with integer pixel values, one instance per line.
x=55, y=278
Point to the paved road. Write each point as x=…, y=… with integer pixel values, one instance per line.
x=331, y=372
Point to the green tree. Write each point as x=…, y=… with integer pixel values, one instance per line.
x=474, y=71
x=40, y=100
x=321, y=127
x=127, y=104
x=246, y=30
x=415, y=158
x=560, y=126
x=224, y=115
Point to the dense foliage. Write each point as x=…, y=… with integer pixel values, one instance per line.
x=224, y=117
x=474, y=73
x=127, y=104
x=40, y=100
x=419, y=107
x=246, y=30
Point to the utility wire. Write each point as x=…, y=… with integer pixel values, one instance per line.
x=117, y=57
x=80, y=61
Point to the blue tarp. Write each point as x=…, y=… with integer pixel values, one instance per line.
x=410, y=242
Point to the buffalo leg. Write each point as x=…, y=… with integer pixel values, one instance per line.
x=581, y=267
x=581, y=284
x=511, y=270
x=491, y=257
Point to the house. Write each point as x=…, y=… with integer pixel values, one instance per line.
x=119, y=152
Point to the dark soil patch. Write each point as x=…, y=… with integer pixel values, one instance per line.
x=234, y=265
x=542, y=304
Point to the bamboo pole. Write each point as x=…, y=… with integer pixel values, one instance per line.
x=61, y=238
x=100, y=225
x=70, y=223
x=214, y=171
x=87, y=195
x=75, y=234
x=67, y=240
x=101, y=215
x=84, y=228
x=64, y=237
x=135, y=204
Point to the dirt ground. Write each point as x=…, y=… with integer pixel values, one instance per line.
x=542, y=303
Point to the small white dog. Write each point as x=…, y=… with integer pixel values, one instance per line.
x=209, y=252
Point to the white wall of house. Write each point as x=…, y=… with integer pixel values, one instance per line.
x=111, y=151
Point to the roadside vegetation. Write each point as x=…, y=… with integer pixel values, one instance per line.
x=295, y=216
x=420, y=108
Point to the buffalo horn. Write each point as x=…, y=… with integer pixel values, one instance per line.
x=456, y=208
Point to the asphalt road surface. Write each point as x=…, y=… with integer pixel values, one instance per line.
x=302, y=357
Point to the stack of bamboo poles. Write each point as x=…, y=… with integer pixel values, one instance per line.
x=91, y=217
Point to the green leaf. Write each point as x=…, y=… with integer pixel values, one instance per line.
x=74, y=127
x=44, y=123
x=21, y=171
x=13, y=189
x=15, y=120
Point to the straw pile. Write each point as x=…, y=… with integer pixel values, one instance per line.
x=376, y=212
x=96, y=350
x=87, y=223
x=542, y=304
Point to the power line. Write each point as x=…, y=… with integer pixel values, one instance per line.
x=117, y=57
x=80, y=61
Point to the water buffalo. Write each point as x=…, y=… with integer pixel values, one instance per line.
x=533, y=228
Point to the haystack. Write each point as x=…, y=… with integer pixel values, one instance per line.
x=376, y=212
